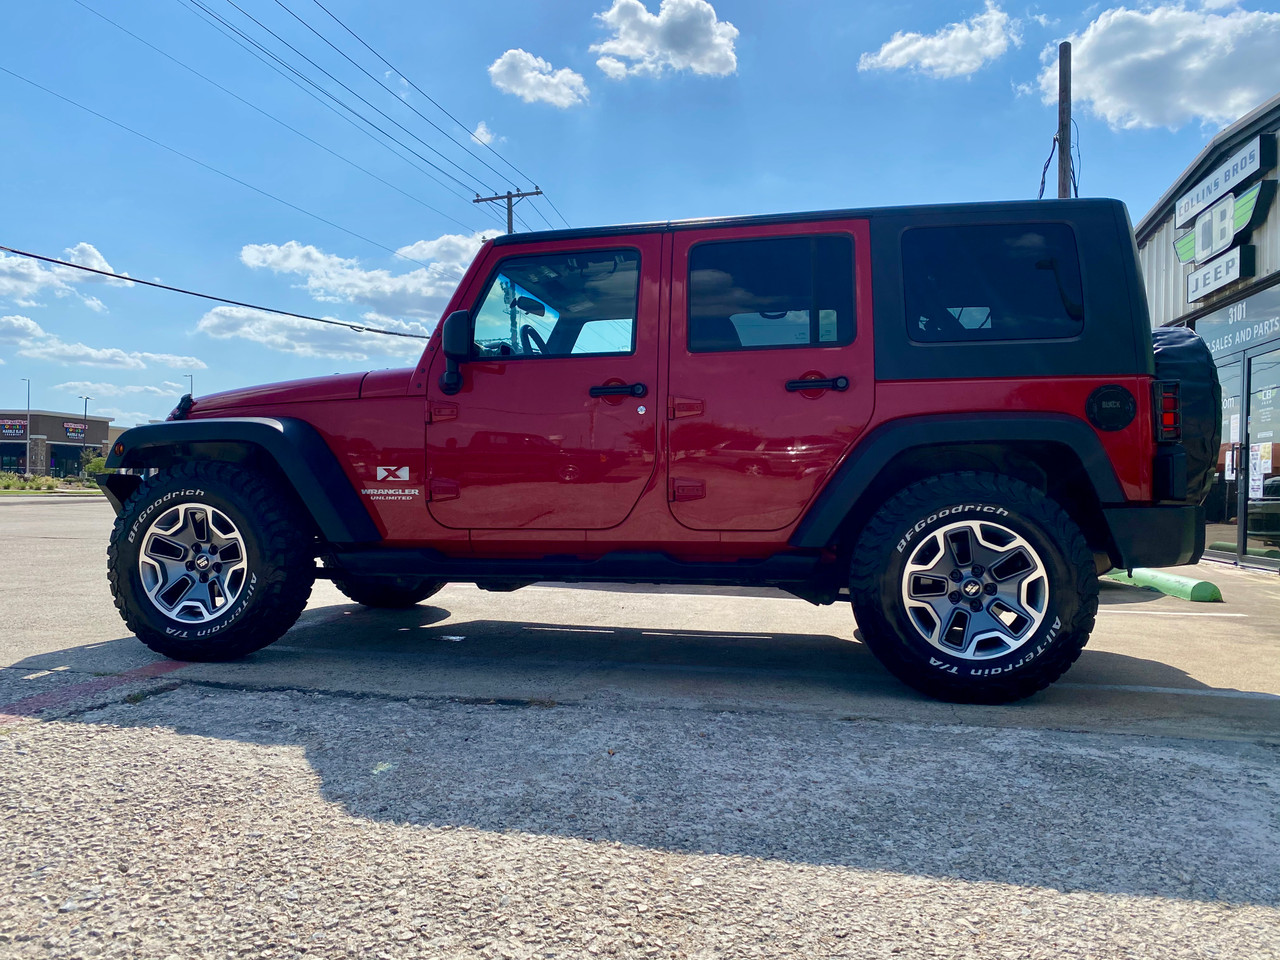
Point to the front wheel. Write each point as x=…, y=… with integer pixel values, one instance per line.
x=974, y=588
x=209, y=561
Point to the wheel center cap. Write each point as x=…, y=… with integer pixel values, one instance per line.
x=971, y=588
x=202, y=563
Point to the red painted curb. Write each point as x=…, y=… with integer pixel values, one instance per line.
x=31, y=706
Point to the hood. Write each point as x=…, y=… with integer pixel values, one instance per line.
x=340, y=386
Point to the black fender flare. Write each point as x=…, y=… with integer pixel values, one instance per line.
x=876, y=451
x=296, y=447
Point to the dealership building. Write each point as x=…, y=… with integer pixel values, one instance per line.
x=1210, y=251
x=58, y=442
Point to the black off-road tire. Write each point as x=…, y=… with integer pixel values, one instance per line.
x=388, y=594
x=915, y=524
x=272, y=535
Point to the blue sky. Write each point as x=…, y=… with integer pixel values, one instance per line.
x=621, y=110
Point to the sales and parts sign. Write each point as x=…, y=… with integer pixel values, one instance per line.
x=1221, y=207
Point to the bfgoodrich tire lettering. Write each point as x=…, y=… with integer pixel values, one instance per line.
x=209, y=561
x=974, y=588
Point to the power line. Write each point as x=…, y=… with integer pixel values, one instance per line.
x=428, y=120
x=206, y=296
x=272, y=117
x=377, y=110
x=265, y=56
x=435, y=104
x=213, y=169
x=558, y=213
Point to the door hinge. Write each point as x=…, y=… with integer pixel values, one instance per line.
x=680, y=489
x=440, y=410
x=678, y=407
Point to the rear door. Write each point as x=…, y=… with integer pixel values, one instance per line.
x=556, y=424
x=757, y=314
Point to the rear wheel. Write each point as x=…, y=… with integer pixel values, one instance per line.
x=974, y=588
x=209, y=561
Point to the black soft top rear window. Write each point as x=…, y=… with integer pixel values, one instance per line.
x=992, y=282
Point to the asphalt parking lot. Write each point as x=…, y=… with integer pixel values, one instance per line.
x=568, y=772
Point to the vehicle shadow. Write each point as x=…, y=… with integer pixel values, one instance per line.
x=950, y=793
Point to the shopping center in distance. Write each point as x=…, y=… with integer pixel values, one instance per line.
x=59, y=442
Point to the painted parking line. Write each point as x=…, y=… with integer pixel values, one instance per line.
x=31, y=706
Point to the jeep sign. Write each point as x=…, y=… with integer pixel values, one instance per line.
x=1255, y=157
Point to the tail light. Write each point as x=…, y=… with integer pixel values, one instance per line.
x=1168, y=409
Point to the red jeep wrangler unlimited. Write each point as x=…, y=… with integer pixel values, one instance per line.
x=950, y=415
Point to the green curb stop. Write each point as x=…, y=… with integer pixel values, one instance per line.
x=1170, y=584
x=1270, y=553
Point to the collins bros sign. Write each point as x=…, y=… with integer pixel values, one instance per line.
x=1220, y=207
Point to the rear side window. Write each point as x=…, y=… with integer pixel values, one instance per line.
x=784, y=292
x=992, y=282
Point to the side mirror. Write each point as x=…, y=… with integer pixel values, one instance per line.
x=455, y=341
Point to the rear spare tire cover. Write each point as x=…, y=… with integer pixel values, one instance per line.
x=1181, y=355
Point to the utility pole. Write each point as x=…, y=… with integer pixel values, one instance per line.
x=84, y=440
x=27, y=465
x=1064, y=120
x=510, y=198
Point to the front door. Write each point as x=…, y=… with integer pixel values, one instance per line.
x=555, y=426
x=771, y=368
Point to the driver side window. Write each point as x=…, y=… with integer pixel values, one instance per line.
x=581, y=304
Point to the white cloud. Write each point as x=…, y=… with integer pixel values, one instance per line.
x=406, y=302
x=101, y=390
x=87, y=255
x=532, y=79
x=126, y=416
x=482, y=134
x=332, y=279
x=1168, y=65
x=173, y=360
x=683, y=35
x=33, y=341
x=956, y=50
x=612, y=67
x=18, y=330
x=22, y=279
x=400, y=82
x=309, y=339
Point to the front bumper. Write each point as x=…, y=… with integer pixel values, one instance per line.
x=1156, y=536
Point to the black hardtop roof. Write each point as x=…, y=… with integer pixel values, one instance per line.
x=949, y=212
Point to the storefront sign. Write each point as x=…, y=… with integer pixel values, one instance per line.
x=1255, y=157
x=1218, y=273
x=1216, y=228
x=75, y=431
x=1249, y=323
x=11, y=429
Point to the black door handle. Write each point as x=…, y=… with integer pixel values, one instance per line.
x=620, y=390
x=833, y=383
